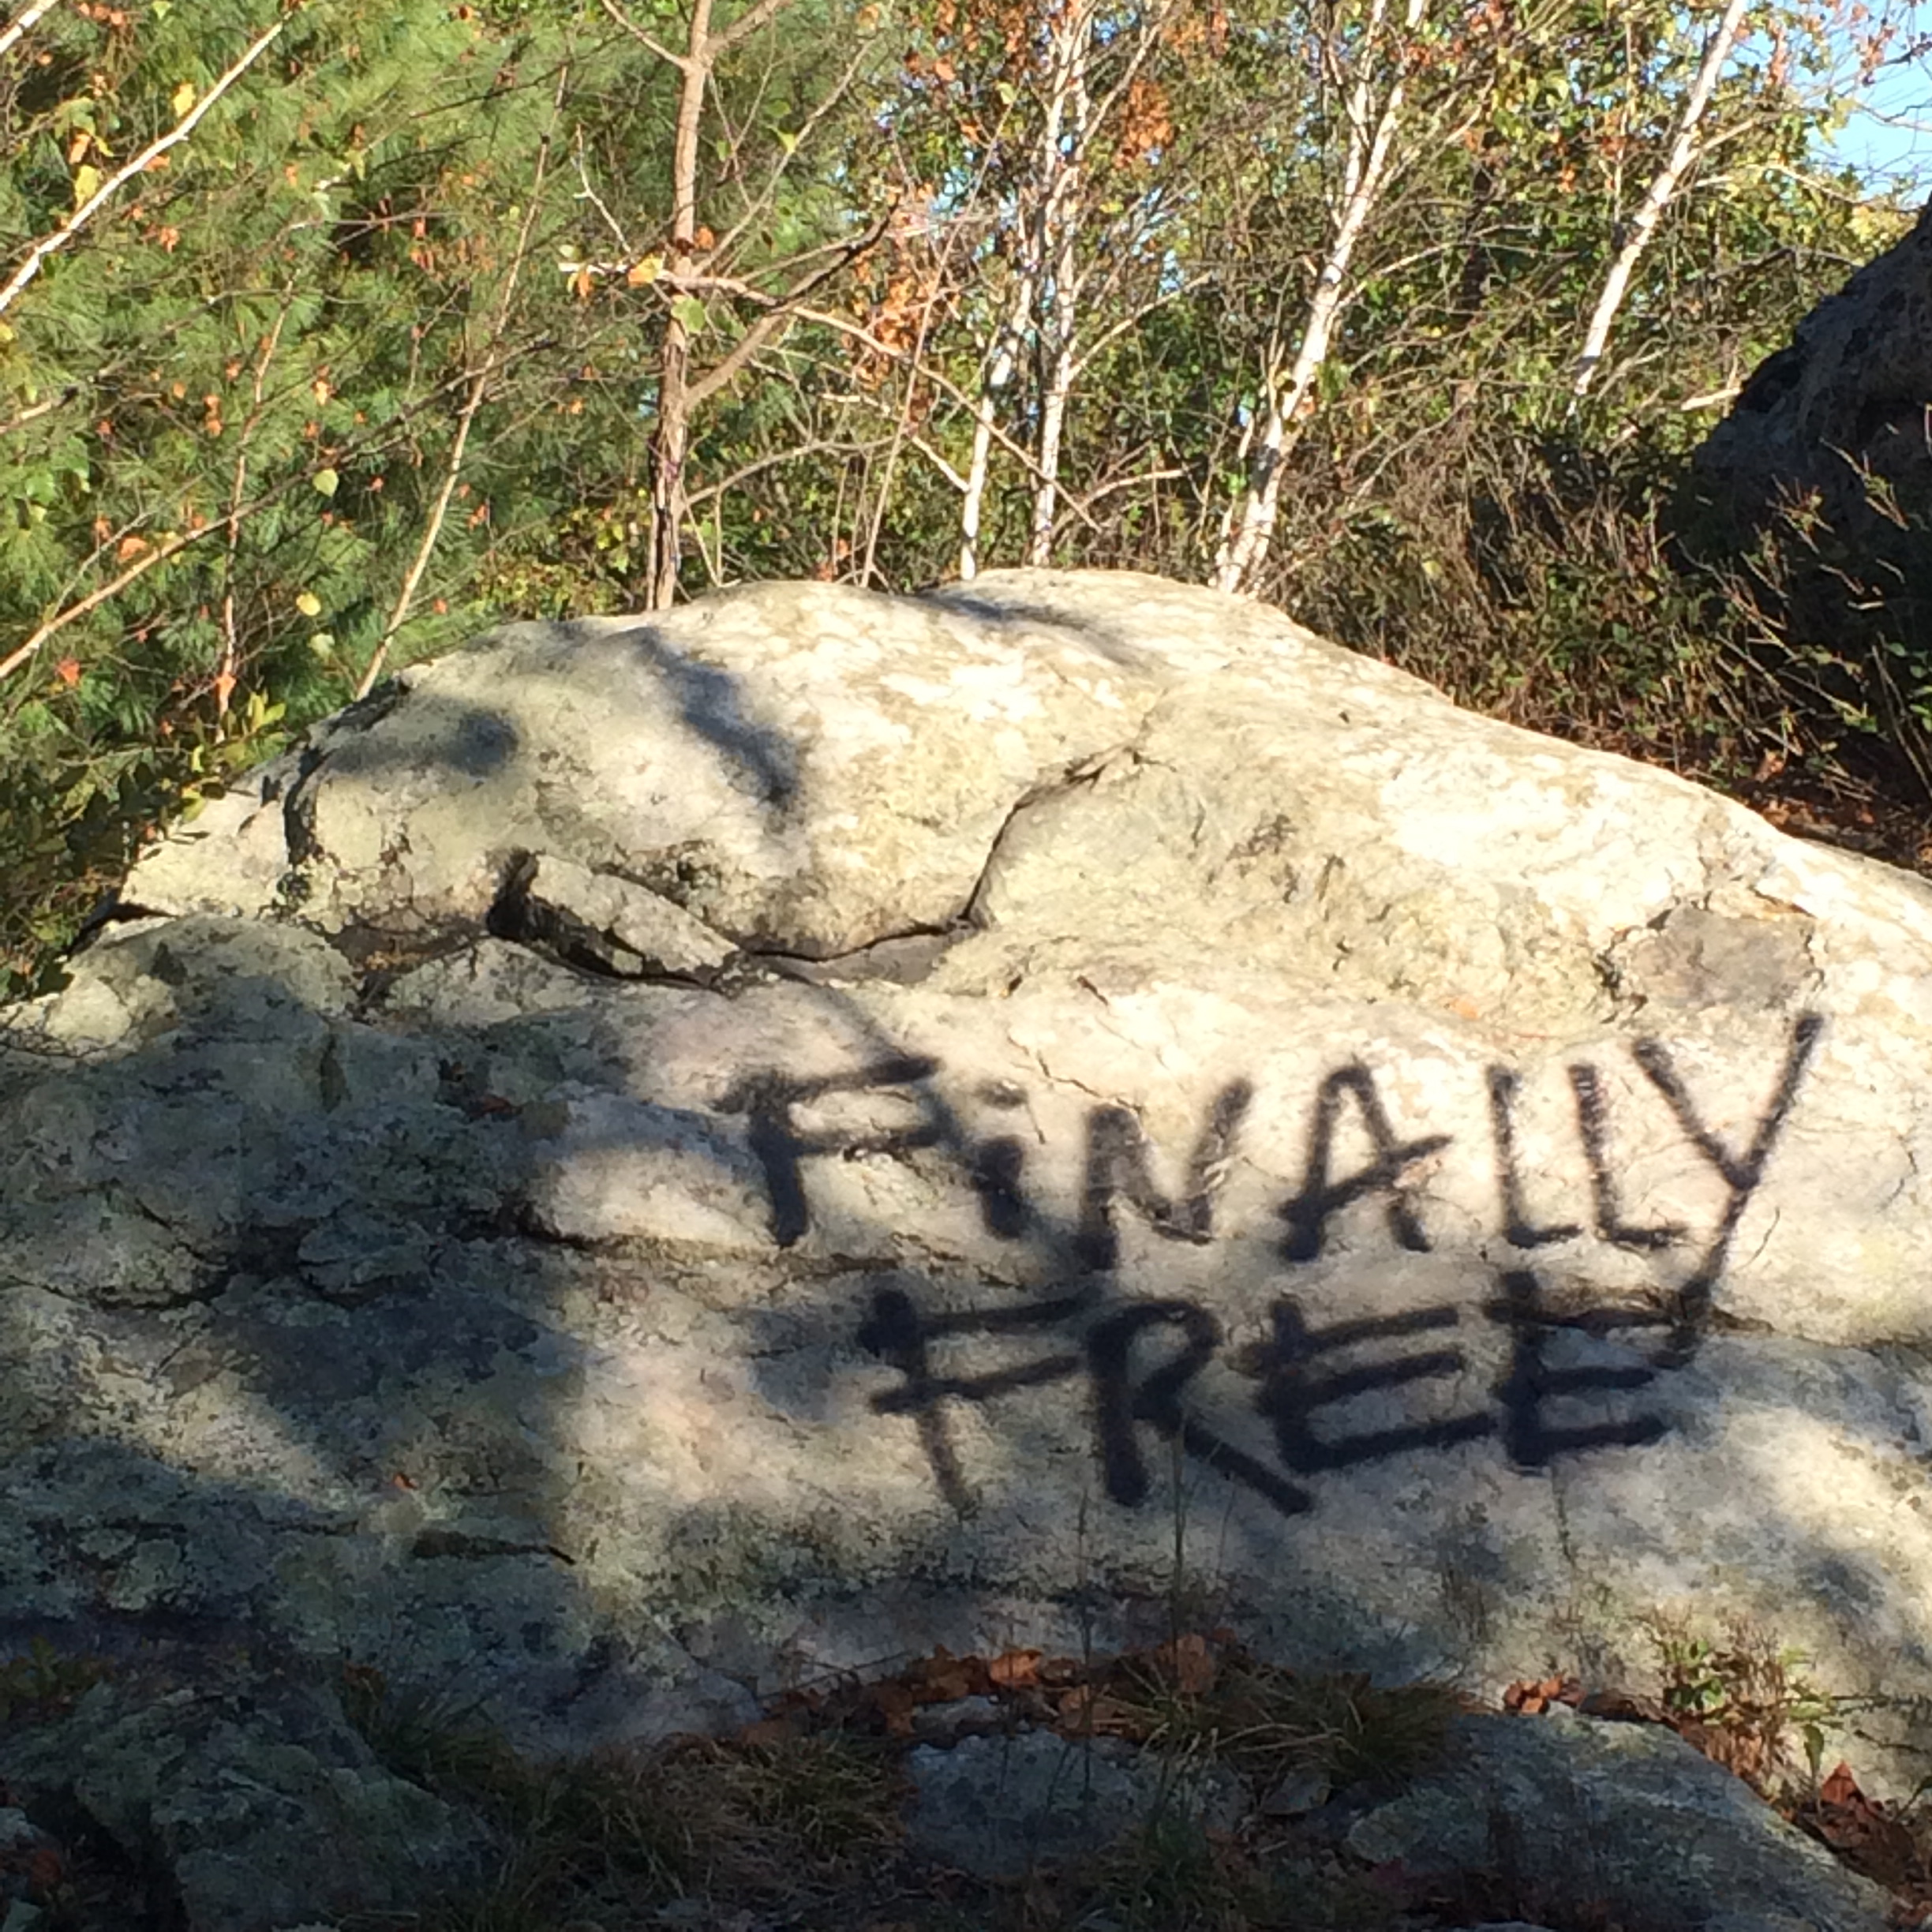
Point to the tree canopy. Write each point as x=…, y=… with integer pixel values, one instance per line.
x=333, y=332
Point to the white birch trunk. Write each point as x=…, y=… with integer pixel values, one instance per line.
x=1244, y=552
x=1658, y=197
x=1063, y=148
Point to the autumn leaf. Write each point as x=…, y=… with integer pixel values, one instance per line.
x=182, y=99
x=68, y=671
x=1016, y=1670
x=1188, y=1664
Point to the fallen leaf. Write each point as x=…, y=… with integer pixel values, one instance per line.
x=1016, y=1670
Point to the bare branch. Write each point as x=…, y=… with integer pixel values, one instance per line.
x=637, y=33
x=1364, y=176
x=757, y=204
x=30, y=14
x=784, y=308
x=746, y=25
x=845, y=326
x=50, y=245
x=173, y=547
x=478, y=389
x=225, y=674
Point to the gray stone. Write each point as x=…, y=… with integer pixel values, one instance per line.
x=253, y=1804
x=1847, y=395
x=608, y=922
x=999, y=1808
x=1834, y=425
x=1623, y=1820
x=1018, y=1115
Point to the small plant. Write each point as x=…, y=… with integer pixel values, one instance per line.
x=44, y=1683
x=1743, y=1701
x=430, y=1737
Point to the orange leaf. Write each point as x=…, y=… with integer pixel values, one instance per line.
x=1018, y=1670
x=1187, y=1660
x=68, y=671
x=130, y=547
x=769, y=1731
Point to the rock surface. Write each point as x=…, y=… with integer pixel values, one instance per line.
x=1000, y=1807
x=1845, y=401
x=1625, y=1821
x=661, y=1156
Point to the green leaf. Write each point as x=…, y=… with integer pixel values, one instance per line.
x=690, y=311
x=325, y=482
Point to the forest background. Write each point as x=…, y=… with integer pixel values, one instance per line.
x=332, y=332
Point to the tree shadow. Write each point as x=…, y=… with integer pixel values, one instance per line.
x=341, y=1379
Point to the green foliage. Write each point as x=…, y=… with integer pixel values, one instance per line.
x=401, y=295
x=1747, y=1701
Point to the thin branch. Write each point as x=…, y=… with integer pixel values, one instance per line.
x=478, y=389
x=13, y=662
x=757, y=205
x=784, y=308
x=747, y=25
x=1657, y=197
x=40, y=408
x=50, y=245
x=231, y=642
x=637, y=33
x=31, y=13
x=175, y=545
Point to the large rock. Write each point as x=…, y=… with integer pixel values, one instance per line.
x=664, y=1153
x=1618, y=1822
x=1839, y=417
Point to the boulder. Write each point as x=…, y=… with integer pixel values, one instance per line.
x=1838, y=415
x=658, y=1158
x=1618, y=1822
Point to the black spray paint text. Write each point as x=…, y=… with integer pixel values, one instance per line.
x=1093, y=1334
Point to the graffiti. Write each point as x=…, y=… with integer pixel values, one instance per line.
x=1293, y=1385
x=1294, y=1388
x=899, y=1334
x=1307, y=1215
x=1118, y=1165
x=769, y=1101
x=1572, y=1373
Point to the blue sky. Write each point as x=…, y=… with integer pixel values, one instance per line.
x=1896, y=139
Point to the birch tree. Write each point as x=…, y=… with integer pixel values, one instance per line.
x=1685, y=145
x=1370, y=71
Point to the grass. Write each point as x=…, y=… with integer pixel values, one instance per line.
x=798, y=1823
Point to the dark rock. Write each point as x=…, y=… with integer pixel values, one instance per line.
x=1623, y=1820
